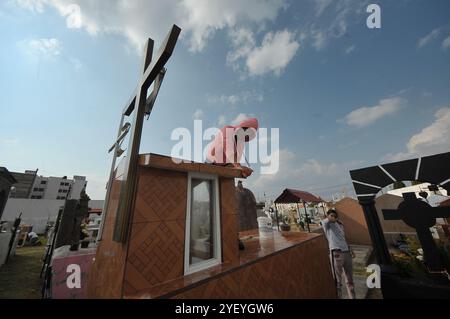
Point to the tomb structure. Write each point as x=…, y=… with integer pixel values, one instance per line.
x=182, y=242
x=246, y=208
x=7, y=180
x=170, y=228
x=414, y=212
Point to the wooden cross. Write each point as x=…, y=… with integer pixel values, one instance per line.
x=138, y=106
x=421, y=216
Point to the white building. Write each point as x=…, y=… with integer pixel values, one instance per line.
x=39, y=198
x=57, y=187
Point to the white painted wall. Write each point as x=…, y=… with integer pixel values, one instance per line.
x=36, y=212
x=77, y=186
x=96, y=203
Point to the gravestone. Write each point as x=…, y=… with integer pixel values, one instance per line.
x=420, y=215
x=368, y=182
x=246, y=208
x=6, y=181
x=70, y=225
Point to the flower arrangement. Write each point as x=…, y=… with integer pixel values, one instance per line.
x=409, y=257
x=84, y=231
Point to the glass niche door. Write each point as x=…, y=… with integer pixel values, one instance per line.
x=202, y=249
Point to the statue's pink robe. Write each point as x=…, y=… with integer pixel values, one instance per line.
x=224, y=150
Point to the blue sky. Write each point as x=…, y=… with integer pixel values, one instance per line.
x=344, y=96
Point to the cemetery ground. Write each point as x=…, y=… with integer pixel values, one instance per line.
x=19, y=278
x=363, y=256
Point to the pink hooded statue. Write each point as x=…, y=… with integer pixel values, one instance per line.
x=228, y=145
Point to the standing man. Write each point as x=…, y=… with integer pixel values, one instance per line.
x=341, y=254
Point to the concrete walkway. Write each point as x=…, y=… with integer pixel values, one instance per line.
x=362, y=254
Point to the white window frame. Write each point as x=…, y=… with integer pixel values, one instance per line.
x=217, y=259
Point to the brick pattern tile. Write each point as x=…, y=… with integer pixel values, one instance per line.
x=106, y=275
x=227, y=194
x=156, y=248
x=230, y=239
x=223, y=288
x=156, y=254
x=161, y=195
x=300, y=272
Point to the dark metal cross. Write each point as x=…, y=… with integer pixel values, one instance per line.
x=139, y=106
x=421, y=216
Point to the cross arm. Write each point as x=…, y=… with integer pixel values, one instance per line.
x=124, y=133
x=392, y=214
x=153, y=70
x=130, y=105
x=148, y=53
x=156, y=86
x=150, y=100
x=440, y=212
x=162, y=57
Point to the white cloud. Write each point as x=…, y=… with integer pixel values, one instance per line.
x=222, y=120
x=243, y=43
x=350, y=49
x=395, y=157
x=138, y=19
x=33, y=5
x=312, y=175
x=198, y=115
x=429, y=37
x=48, y=48
x=321, y=6
x=332, y=19
x=72, y=13
x=200, y=20
x=204, y=17
x=433, y=139
x=287, y=158
x=240, y=98
x=43, y=47
x=317, y=168
x=367, y=115
x=446, y=43
x=272, y=56
x=437, y=134
x=241, y=117
x=275, y=53
x=76, y=63
x=319, y=39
